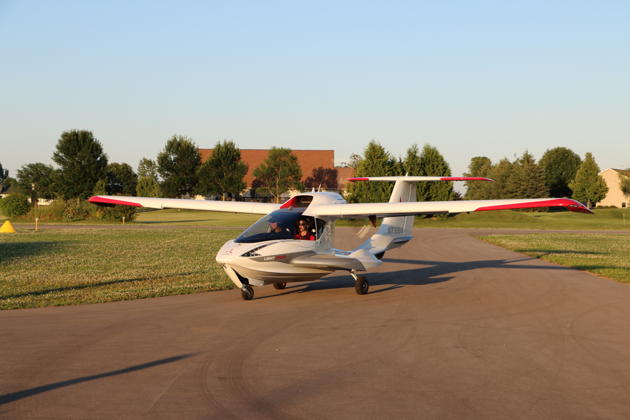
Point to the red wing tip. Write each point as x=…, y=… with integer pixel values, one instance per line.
x=465, y=178
x=102, y=200
x=567, y=203
x=358, y=179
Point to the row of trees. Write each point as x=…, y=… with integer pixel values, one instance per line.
x=83, y=169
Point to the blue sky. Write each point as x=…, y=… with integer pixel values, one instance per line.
x=489, y=78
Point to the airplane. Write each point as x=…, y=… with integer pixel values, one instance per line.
x=272, y=250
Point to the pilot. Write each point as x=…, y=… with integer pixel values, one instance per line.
x=304, y=231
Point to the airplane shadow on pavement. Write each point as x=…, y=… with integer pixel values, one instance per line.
x=428, y=272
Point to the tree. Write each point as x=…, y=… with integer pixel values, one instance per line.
x=480, y=166
x=177, y=165
x=412, y=162
x=322, y=177
x=376, y=161
x=527, y=179
x=120, y=179
x=559, y=166
x=432, y=163
x=588, y=187
x=81, y=161
x=223, y=172
x=279, y=172
x=500, y=173
x=148, y=184
x=36, y=180
x=4, y=174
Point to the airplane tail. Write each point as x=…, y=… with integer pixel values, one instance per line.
x=394, y=231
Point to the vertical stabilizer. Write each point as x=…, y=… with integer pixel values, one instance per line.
x=394, y=231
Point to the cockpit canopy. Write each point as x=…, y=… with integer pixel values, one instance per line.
x=282, y=224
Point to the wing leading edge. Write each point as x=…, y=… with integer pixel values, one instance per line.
x=426, y=207
x=178, y=203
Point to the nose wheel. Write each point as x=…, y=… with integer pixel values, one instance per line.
x=247, y=292
x=361, y=285
x=280, y=285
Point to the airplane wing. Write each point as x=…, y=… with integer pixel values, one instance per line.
x=428, y=207
x=178, y=203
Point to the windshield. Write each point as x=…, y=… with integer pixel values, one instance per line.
x=283, y=224
x=280, y=224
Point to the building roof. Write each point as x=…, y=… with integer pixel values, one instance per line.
x=308, y=160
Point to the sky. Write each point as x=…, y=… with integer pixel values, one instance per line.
x=472, y=78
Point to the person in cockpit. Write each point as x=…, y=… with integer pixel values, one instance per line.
x=304, y=231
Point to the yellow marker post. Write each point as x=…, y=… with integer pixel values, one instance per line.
x=7, y=227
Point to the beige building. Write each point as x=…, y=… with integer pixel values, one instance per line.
x=614, y=197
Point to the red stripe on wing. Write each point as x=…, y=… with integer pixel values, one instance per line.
x=103, y=200
x=569, y=204
x=465, y=178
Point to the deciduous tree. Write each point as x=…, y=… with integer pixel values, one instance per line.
x=223, y=172
x=588, y=186
x=37, y=181
x=322, y=177
x=148, y=184
x=278, y=173
x=4, y=174
x=177, y=165
x=121, y=179
x=559, y=165
x=81, y=163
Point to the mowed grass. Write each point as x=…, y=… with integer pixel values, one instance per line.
x=603, y=219
x=605, y=255
x=67, y=267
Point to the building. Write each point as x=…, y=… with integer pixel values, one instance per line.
x=615, y=197
x=309, y=160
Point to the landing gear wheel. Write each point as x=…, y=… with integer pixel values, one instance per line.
x=361, y=285
x=280, y=285
x=247, y=292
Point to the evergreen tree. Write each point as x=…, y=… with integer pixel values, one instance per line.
x=560, y=166
x=120, y=179
x=527, y=179
x=147, y=167
x=588, y=187
x=500, y=173
x=178, y=164
x=376, y=161
x=278, y=173
x=432, y=163
x=81, y=163
x=223, y=172
x=37, y=181
x=411, y=165
x=480, y=166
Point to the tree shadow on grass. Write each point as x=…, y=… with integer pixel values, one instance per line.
x=94, y=285
x=14, y=396
x=545, y=252
x=10, y=251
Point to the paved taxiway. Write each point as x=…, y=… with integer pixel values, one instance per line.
x=452, y=328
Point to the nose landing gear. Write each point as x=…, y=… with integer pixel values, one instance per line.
x=247, y=292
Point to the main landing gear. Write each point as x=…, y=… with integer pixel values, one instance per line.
x=247, y=292
x=280, y=285
x=361, y=285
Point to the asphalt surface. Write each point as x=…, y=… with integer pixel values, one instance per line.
x=452, y=328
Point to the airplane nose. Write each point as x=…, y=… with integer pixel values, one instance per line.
x=225, y=254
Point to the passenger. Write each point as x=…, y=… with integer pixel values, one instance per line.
x=304, y=231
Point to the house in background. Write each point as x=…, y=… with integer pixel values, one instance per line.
x=311, y=162
x=615, y=197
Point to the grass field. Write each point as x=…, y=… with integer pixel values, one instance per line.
x=605, y=255
x=609, y=219
x=62, y=267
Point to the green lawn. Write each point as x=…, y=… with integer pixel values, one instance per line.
x=62, y=267
x=605, y=255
